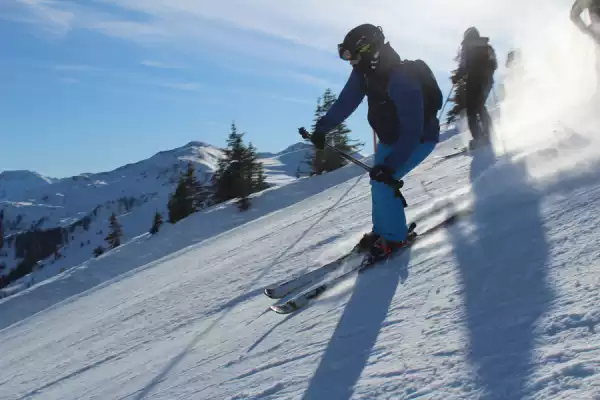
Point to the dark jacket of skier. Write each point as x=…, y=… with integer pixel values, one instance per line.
x=403, y=99
x=477, y=61
x=477, y=66
x=396, y=111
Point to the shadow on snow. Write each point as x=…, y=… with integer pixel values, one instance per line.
x=355, y=335
x=502, y=267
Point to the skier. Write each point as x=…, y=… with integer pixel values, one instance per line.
x=592, y=30
x=477, y=65
x=403, y=99
x=593, y=7
x=514, y=72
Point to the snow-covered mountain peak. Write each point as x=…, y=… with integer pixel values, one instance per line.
x=14, y=184
x=24, y=175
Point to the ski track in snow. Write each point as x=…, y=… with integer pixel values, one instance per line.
x=502, y=305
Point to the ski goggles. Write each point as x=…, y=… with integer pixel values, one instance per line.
x=353, y=57
x=347, y=55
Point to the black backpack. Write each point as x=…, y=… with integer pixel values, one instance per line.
x=432, y=95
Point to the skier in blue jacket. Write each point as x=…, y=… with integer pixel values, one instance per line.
x=403, y=99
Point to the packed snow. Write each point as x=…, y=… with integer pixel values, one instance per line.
x=501, y=305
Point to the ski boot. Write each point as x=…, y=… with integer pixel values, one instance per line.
x=379, y=247
x=366, y=242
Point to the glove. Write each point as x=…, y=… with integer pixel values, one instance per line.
x=317, y=138
x=382, y=173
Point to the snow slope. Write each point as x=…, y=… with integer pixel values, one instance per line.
x=503, y=305
x=134, y=192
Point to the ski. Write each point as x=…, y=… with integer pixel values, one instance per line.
x=357, y=265
x=280, y=290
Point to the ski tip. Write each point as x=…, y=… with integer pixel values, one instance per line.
x=279, y=309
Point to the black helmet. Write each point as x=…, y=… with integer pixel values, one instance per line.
x=362, y=44
x=471, y=33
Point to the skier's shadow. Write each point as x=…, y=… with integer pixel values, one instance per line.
x=502, y=267
x=226, y=308
x=356, y=333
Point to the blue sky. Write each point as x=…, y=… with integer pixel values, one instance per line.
x=91, y=85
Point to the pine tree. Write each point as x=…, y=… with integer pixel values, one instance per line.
x=256, y=173
x=239, y=172
x=328, y=160
x=177, y=202
x=193, y=188
x=156, y=223
x=315, y=155
x=459, y=95
x=116, y=232
x=261, y=180
x=226, y=180
x=184, y=201
x=98, y=251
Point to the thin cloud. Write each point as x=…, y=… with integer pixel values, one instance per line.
x=132, y=78
x=160, y=64
x=69, y=81
x=46, y=14
x=302, y=34
x=187, y=86
x=288, y=99
x=76, y=68
x=309, y=79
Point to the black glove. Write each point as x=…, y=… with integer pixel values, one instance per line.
x=382, y=173
x=317, y=138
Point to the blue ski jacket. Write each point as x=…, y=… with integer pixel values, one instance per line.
x=399, y=124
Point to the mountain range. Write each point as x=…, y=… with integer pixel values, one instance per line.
x=73, y=212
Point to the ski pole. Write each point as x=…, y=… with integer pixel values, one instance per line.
x=395, y=184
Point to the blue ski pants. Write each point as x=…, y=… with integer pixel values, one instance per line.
x=389, y=219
